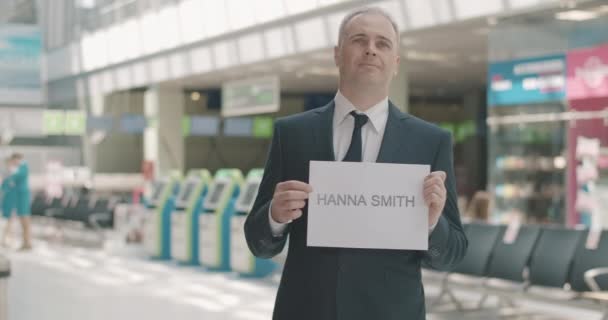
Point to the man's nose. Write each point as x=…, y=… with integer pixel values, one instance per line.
x=371, y=49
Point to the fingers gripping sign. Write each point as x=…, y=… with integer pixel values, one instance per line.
x=435, y=195
x=288, y=200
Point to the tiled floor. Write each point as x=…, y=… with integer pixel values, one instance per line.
x=55, y=282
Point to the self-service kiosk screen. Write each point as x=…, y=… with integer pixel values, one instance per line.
x=157, y=191
x=249, y=194
x=187, y=191
x=216, y=194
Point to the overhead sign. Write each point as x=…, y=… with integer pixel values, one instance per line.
x=204, y=126
x=534, y=80
x=238, y=127
x=100, y=123
x=75, y=122
x=133, y=123
x=263, y=127
x=588, y=73
x=251, y=96
x=20, y=47
x=54, y=122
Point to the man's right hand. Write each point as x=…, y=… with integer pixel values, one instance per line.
x=288, y=200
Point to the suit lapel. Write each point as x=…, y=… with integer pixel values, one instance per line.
x=394, y=139
x=323, y=133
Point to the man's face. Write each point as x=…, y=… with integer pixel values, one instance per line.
x=368, y=52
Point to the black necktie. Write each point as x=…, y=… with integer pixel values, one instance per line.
x=354, y=153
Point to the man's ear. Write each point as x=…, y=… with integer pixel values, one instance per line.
x=397, y=64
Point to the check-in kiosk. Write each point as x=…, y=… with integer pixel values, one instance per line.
x=184, y=220
x=241, y=259
x=157, y=223
x=214, y=221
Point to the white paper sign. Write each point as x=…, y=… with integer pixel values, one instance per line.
x=367, y=205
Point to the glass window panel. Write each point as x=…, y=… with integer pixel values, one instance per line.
x=240, y=13
x=420, y=13
x=168, y=31
x=215, y=17
x=123, y=78
x=190, y=12
x=275, y=42
x=224, y=54
x=177, y=65
x=311, y=34
x=149, y=28
x=268, y=10
x=299, y=6
x=140, y=74
x=201, y=60
x=467, y=9
x=524, y=3
x=159, y=68
x=132, y=39
x=250, y=48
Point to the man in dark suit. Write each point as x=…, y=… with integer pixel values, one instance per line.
x=360, y=124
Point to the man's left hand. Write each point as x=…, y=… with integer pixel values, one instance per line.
x=435, y=195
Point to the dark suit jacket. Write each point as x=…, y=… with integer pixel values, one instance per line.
x=349, y=284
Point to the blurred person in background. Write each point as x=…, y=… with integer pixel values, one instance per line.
x=479, y=207
x=20, y=179
x=8, y=201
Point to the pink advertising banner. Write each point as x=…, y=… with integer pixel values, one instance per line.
x=587, y=73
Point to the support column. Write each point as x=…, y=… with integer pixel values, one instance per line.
x=399, y=91
x=89, y=145
x=163, y=139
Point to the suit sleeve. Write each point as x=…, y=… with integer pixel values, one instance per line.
x=258, y=233
x=447, y=242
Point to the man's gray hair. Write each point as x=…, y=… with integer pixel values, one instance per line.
x=367, y=10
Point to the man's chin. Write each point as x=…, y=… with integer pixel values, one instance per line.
x=370, y=80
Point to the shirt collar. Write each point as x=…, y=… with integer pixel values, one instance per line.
x=377, y=114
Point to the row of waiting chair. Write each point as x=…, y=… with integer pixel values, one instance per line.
x=92, y=211
x=553, y=259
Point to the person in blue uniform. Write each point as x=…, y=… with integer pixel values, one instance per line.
x=20, y=178
x=8, y=202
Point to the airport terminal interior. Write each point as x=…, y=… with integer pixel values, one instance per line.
x=143, y=128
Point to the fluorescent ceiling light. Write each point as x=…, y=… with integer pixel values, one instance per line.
x=576, y=15
x=86, y=4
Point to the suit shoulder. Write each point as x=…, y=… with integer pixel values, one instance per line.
x=424, y=127
x=297, y=120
